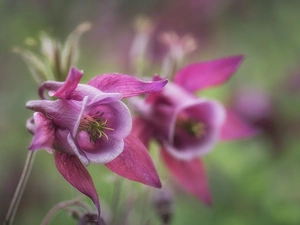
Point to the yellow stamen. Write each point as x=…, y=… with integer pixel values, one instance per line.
x=192, y=127
x=95, y=126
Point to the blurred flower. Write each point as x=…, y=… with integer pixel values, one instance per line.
x=188, y=127
x=292, y=83
x=260, y=109
x=163, y=203
x=198, y=18
x=178, y=47
x=89, y=123
x=137, y=54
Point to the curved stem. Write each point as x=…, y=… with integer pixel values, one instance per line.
x=56, y=208
x=20, y=189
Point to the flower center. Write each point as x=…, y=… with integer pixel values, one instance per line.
x=192, y=127
x=95, y=126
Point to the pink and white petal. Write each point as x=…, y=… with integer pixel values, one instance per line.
x=76, y=174
x=77, y=151
x=235, y=128
x=203, y=75
x=62, y=112
x=67, y=89
x=135, y=163
x=142, y=130
x=77, y=123
x=64, y=142
x=190, y=175
x=101, y=152
x=126, y=85
x=185, y=147
x=104, y=98
x=43, y=132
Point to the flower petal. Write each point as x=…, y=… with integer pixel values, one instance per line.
x=76, y=174
x=77, y=123
x=190, y=175
x=142, y=130
x=235, y=128
x=52, y=86
x=43, y=132
x=135, y=163
x=67, y=89
x=126, y=85
x=202, y=75
x=76, y=150
x=101, y=152
x=63, y=113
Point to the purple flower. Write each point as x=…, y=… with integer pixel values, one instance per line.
x=188, y=127
x=89, y=123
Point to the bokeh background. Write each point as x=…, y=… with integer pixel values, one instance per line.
x=253, y=181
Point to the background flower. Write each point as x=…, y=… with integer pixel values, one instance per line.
x=188, y=127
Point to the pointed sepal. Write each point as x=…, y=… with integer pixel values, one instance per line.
x=76, y=174
x=235, y=127
x=198, y=76
x=190, y=175
x=126, y=85
x=135, y=163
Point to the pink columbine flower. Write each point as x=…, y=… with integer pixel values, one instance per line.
x=188, y=127
x=88, y=123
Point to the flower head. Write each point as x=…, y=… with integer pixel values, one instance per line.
x=188, y=127
x=89, y=123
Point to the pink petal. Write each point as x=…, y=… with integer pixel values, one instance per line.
x=43, y=132
x=126, y=85
x=76, y=174
x=66, y=90
x=235, y=128
x=190, y=175
x=101, y=152
x=202, y=75
x=30, y=125
x=50, y=86
x=152, y=97
x=135, y=163
x=142, y=130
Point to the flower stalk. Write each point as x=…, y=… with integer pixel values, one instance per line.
x=20, y=189
x=59, y=206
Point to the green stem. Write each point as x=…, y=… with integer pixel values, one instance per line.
x=116, y=199
x=56, y=208
x=20, y=189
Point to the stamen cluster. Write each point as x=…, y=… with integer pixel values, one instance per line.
x=95, y=126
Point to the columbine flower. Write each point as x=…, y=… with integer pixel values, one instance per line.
x=188, y=127
x=89, y=123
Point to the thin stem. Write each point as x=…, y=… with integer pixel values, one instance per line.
x=20, y=189
x=61, y=205
x=116, y=199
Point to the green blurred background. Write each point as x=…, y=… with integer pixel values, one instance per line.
x=253, y=181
